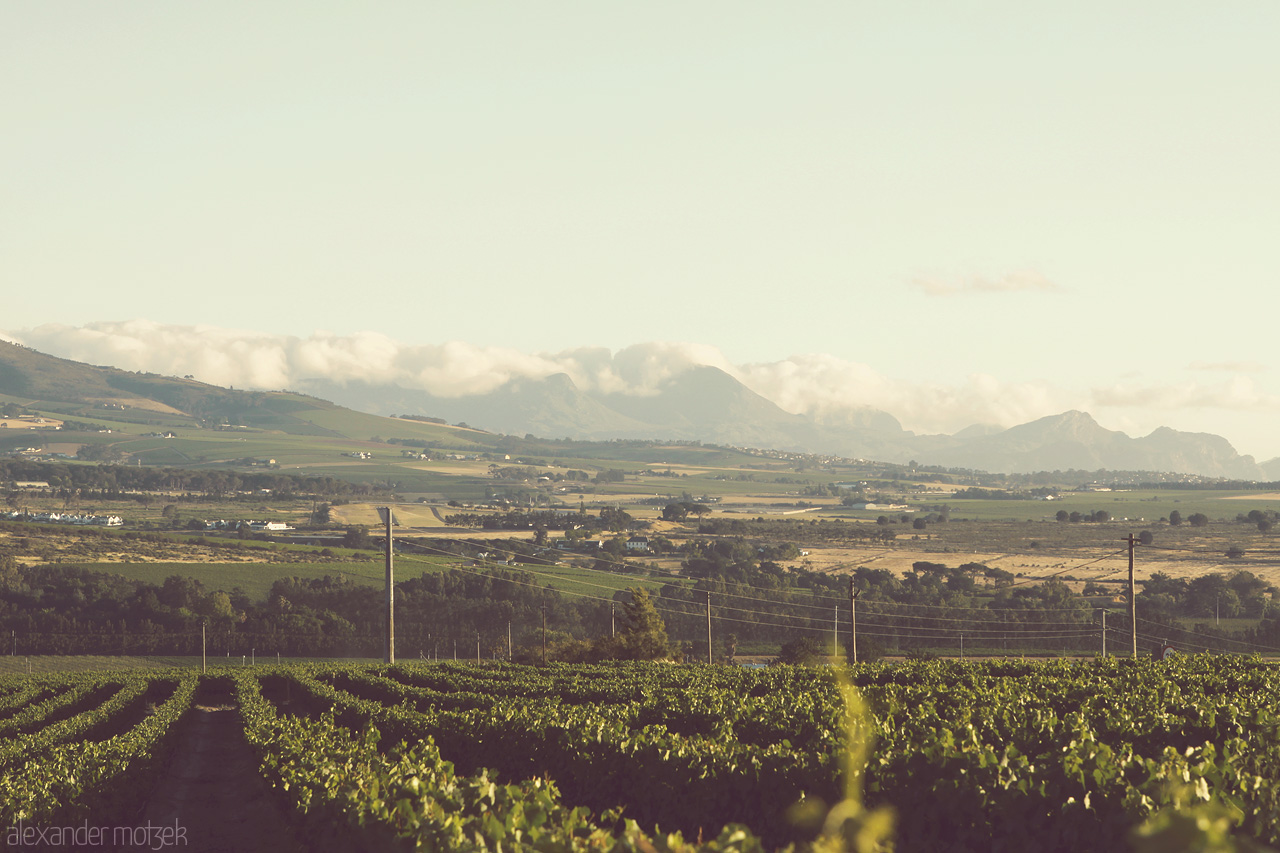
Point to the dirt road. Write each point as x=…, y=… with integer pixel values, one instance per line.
x=212, y=793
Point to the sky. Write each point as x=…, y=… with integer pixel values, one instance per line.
x=958, y=212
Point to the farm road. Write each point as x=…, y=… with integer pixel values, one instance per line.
x=212, y=789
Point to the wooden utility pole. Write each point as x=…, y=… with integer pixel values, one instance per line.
x=204, y=652
x=1104, y=633
x=708, y=626
x=387, y=517
x=544, y=635
x=853, y=622
x=1133, y=600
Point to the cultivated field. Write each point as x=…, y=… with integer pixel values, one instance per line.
x=974, y=756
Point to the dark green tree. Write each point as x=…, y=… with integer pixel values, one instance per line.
x=730, y=647
x=642, y=635
x=805, y=651
x=357, y=537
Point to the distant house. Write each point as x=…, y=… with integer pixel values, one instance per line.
x=638, y=543
x=65, y=518
x=579, y=544
x=269, y=525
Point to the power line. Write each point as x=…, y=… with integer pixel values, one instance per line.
x=1023, y=630
x=1208, y=636
x=724, y=607
x=830, y=599
x=1070, y=568
x=1016, y=631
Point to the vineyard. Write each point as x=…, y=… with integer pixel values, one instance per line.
x=998, y=755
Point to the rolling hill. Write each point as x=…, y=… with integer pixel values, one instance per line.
x=702, y=404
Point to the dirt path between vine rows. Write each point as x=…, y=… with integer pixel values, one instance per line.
x=212, y=795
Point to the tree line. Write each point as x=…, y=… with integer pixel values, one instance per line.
x=115, y=480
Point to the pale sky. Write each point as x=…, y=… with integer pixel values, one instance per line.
x=973, y=211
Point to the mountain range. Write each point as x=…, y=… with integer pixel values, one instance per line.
x=706, y=404
x=702, y=404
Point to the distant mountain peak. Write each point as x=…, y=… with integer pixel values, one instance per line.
x=702, y=403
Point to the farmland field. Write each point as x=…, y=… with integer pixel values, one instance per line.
x=999, y=755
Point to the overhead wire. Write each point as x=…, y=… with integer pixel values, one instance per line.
x=1008, y=630
x=832, y=599
x=1208, y=636
x=1019, y=628
x=723, y=607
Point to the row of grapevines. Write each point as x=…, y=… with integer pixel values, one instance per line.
x=87, y=767
x=1073, y=756
x=108, y=699
x=350, y=796
x=999, y=755
x=752, y=706
x=597, y=755
x=66, y=700
x=23, y=696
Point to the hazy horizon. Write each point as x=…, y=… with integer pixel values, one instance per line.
x=811, y=384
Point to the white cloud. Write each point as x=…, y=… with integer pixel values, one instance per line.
x=820, y=385
x=1239, y=393
x=455, y=368
x=1014, y=282
x=815, y=384
x=823, y=385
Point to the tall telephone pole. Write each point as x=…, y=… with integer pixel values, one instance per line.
x=389, y=518
x=853, y=621
x=1133, y=600
x=708, y=626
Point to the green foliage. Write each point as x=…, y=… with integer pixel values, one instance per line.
x=991, y=756
x=101, y=761
x=349, y=794
x=804, y=651
x=643, y=635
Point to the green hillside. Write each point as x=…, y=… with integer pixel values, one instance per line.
x=119, y=416
x=211, y=424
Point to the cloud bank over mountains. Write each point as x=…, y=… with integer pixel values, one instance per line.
x=821, y=386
